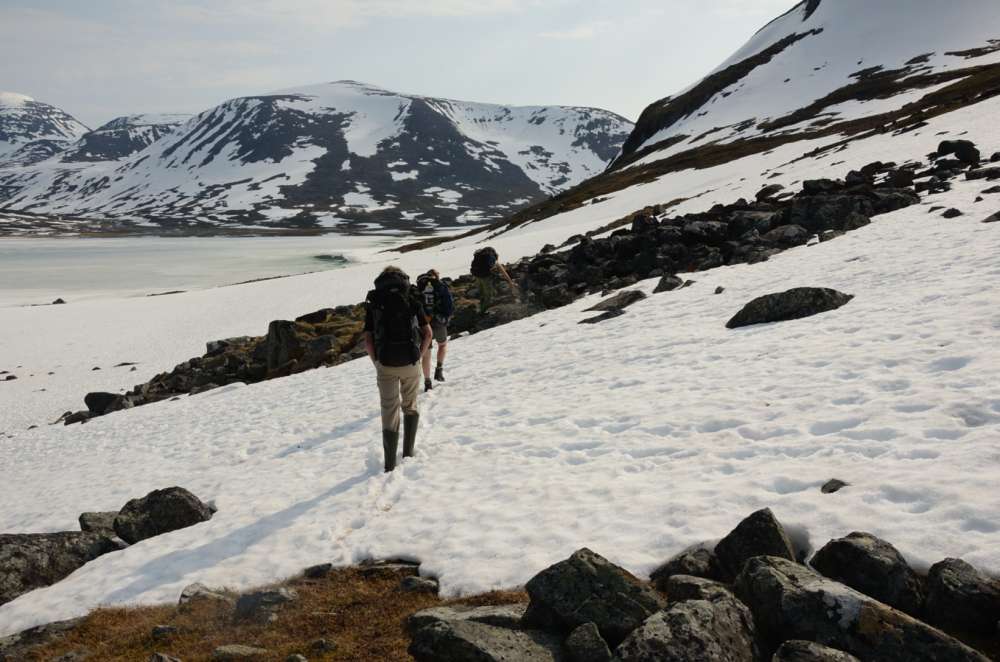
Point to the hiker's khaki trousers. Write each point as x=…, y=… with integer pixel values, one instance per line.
x=397, y=387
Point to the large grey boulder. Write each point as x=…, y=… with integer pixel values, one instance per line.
x=695, y=562
x=198, y=593
x=874, y=567
x=961, y=597
x=469, y=641
x=790, y=601
x=587, y=588
x=16, y=647
x=808, y=651
x=717, y=630
x=792, y=304
x=585, y=644
x=33, y=560
x=160, y=511
x=759, y=534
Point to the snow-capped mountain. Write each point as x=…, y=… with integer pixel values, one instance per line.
x=831, y=66
x=31, y=130
x=340, y=154
x=122, y=137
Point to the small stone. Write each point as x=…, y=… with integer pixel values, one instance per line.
x=323, y=646
x=237, y=652
x=419, y=585
x=58, y=302
x=611, y=314
x=696, y=562
x=162, y=657
x=295, y=657
x=951, y=213
x=720, y=289
x=262, y=606
x=102, y=523
x=160, y=511
x=197, y=592
x=503, y=616
x=668, y=283
x=318, y=571
x=833, y=485
x=164, y=631
x=683, y=587
x=993, y=219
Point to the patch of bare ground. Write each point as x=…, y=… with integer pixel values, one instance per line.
x=361, y=614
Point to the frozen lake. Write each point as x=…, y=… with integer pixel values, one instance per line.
x=37, y=271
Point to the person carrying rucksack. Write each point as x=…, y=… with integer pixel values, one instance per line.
x=485, y=264
x=438, y=303
x=397, y=334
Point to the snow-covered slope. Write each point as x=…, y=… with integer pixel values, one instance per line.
x=342, y=155
x=636, y=437
x=31, y=130
x=825, y=63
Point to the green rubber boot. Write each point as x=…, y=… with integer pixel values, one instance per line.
x=390, y=443
x=410, y=422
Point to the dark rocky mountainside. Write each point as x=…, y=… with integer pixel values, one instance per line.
x=121, y=137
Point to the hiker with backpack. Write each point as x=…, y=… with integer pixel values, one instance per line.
x=439, y=304
x=397, y=334
x=485, y=264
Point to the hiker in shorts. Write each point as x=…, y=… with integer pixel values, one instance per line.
x=439, y=304
x=485, y=266
x=397, y=333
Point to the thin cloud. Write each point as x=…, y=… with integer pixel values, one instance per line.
x=585, y=31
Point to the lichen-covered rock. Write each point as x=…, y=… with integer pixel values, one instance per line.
x=33, y=560
x=235, y=652
x=716, y=630
x=160, y=511
x=684, y=587
x=961, y=597
x=619, y=301
x=792, y=304
x=585, y=644
x=587, y=588
x=506, y=616
x=263, y=606
x=694, y=562
x=469, y=641
x=99, y=523
x=808, y=651
x=874, y=567
x=790, y=601
x=759, y=534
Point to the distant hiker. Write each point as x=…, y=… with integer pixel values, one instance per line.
x=397, y=334
x=642, y=222
x=485, y=264
x=439, y=305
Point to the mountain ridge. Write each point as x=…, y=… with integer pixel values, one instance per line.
x=334, y=156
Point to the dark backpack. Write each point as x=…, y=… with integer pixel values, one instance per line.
x=483, y=262
x=394, y=325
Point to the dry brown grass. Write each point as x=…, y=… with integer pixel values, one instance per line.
x=364, y=616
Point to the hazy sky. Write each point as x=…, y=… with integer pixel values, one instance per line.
x=98, y=59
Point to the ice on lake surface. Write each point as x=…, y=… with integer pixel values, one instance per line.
x=35, y=271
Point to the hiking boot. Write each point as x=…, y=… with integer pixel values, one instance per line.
x=409, y=433
x=428, y=385
x=438, y=374
x=390, y=443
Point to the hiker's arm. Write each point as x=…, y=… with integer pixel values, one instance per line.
x=370, y=345
x=425, y=344
x=503, y=272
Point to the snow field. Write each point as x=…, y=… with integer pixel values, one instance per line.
x=636, y=437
